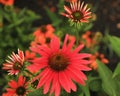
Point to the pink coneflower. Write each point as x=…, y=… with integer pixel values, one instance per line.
x=79, y=12
x=15, y=63
x=18, y=88
x=60, y=67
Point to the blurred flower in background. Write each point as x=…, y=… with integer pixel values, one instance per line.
x=7, y=2
x=99, y=56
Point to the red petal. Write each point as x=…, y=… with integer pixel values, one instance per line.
x=72, y=85
x=65, y=43
x=64, y=81
x=55, y=44
x=47, y=84
x=55, y=78
x=45, y=77
x=13, y=84
x=80, y=47
x=74, y=74
x=21, y=81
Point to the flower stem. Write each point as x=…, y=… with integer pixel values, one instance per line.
x=77, y=36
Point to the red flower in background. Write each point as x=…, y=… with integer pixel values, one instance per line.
x=60, y=66
x=40, y=40
x=78, y=12
x=43, y=35
x=91, y=40
x=7, y=2
x=15, y=63
x=44, y=30
x=99, y=56
x=18, y=88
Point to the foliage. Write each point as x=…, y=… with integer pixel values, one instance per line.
x=17, y=32
x=16, y=29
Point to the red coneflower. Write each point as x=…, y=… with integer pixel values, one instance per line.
x=79, y=12
x=60, y=66
x=15, y=63
x=7, y=2
x=18, y=88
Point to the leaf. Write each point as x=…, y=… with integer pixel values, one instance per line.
x=117, y=70
x=85, y=90
x=37, y=92
x=117, y=79
x=115, y=44
x=108, y=83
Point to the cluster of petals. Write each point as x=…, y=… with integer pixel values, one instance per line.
x=53, y=77
x=7, y=2
x=17, y=88
x=93, y=58
x=82, y=10
x=15, y=63
x=43, y=35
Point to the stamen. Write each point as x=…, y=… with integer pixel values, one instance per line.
x=20, y=91
x=43, y=29
x=58, y=62
x=77, y=16
x=17, y=66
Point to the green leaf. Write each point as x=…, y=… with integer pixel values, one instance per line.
x=85, y=90
x=108, y=83
x=115, y=44
x=117, y=70
x=37, y=92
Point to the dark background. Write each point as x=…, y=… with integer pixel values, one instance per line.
x=107, y=11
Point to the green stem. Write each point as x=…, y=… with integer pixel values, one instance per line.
x=77, y=36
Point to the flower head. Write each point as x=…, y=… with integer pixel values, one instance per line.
x=78, y=12
x=7, y=2
x=15, y=63
x=18, y=88
x=60, y=66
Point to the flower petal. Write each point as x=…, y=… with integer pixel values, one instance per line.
x=64, y=82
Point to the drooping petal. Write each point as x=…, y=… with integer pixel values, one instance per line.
x=45, y=77
x=64, y=82
x=47, y=84
x=75, y=76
